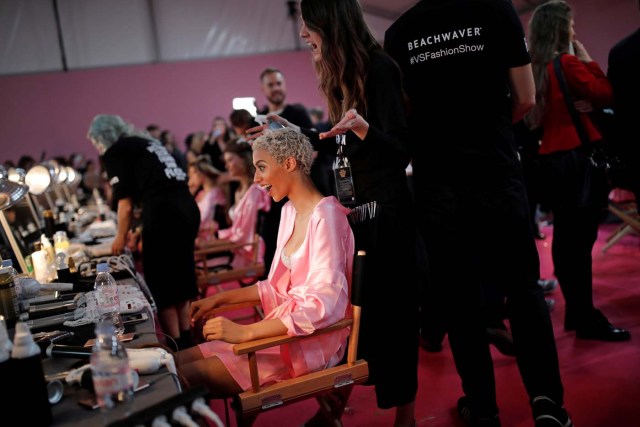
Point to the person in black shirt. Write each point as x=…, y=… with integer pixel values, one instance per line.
x=623, y=72
x=142, y=171
x=468, y=76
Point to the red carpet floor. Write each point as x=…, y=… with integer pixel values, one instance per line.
x=602, y=380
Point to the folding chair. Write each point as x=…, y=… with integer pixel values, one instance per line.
x=630, y=223
x=331, y=387
x=213, y=275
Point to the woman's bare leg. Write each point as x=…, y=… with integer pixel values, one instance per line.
x=209, y=372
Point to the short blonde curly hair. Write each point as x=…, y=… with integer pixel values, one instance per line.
x=284, y=143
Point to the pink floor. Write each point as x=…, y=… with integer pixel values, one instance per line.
x=602, y=380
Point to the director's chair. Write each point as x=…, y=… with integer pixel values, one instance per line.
x=331, y=387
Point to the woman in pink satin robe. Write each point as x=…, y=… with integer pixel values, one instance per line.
x=307, y=288
x=248, y=200
x=203, y=178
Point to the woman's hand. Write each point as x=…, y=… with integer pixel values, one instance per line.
x=351, y=121
x=223, y=329
x=581, y=52
x=255, y=132
x=117, y=247
x=202, y=307
x=132, y=239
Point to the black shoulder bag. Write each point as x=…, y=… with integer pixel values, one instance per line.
x=603, y=156
x=596, y=185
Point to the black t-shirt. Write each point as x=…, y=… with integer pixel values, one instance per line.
x=455, y=57
x=623, y=73
x=143, y=170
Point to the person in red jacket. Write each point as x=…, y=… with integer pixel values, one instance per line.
x=576, y=206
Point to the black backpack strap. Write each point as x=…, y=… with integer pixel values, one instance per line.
x=562, y=82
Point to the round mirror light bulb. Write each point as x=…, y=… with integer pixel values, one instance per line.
x=38, y=179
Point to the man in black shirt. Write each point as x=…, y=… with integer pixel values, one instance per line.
x=275, y=90
x=467, y=73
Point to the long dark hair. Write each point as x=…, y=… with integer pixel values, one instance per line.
x=204, y=166
x=347, y=45
x=548, y=36
x=243, y=150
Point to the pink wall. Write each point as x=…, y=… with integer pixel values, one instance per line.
x=52, y=111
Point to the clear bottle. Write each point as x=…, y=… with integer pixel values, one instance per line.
x=48, y=248
x=107, y=297
x=61, y=242
x=62, y=268
x=113, y=379
x=40, y=264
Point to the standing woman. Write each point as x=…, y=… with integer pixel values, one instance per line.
x=576, y=211
x=362, y=87
x=141, y=170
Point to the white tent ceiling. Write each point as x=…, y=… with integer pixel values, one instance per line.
x=58, y=35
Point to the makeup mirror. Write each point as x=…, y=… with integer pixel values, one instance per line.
x=11, y=193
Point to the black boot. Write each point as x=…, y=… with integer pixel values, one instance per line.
x=599, y=328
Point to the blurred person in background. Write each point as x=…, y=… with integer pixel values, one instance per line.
x=576, y=192
x=203, y=177
x=217, y=141
x=140, y=170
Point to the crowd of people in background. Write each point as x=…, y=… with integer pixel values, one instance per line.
x=505, y=163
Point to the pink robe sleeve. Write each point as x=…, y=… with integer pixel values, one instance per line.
x=244, y=221
x=207, y=206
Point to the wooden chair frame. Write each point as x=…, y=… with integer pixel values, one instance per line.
x=331, y=387
x=630, y=223
x=216, y=275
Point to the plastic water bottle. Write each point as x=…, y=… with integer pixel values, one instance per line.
x=113, y=379
x=107, y=297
